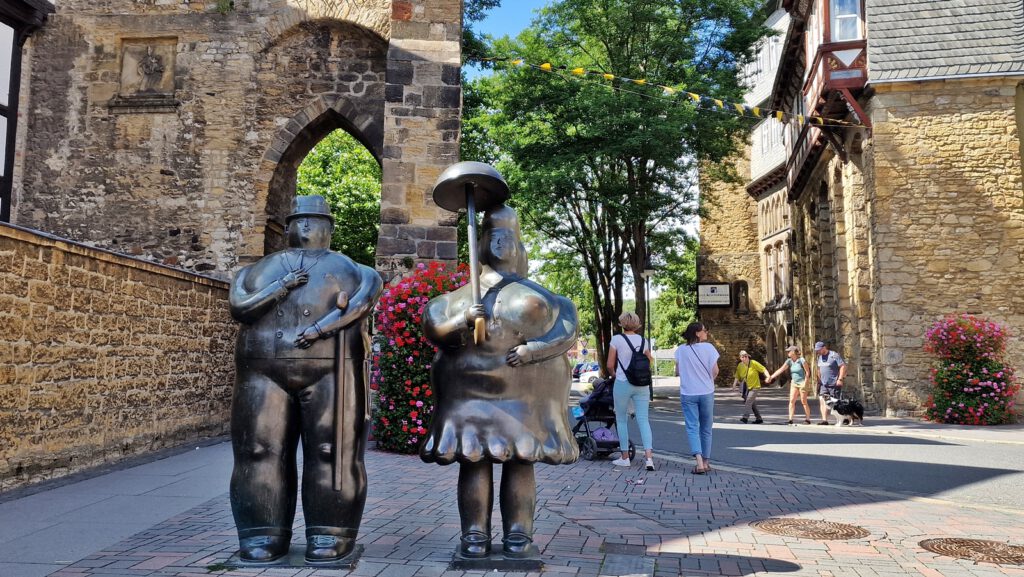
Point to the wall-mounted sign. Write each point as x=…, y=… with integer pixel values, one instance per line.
x=714, y=294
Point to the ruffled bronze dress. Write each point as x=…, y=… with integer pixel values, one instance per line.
x=487, y=410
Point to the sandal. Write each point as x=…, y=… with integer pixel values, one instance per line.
x=698, y=471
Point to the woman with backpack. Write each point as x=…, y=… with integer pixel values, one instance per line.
x=623, y=348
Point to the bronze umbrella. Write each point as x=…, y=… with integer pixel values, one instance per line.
x=472, y=186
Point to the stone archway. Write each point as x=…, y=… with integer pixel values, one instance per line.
x=324, y=117
x=188, y=176
x=326, y=75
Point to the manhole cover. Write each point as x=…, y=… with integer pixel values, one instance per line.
x=978, y=550
x=810, y=529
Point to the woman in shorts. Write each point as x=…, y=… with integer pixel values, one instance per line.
x=799, y=384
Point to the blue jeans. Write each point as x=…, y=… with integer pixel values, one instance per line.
x=623, y=392
x=699, y=412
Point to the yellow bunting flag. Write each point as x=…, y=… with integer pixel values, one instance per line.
x=668, y=91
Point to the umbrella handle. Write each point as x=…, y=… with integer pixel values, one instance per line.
x=480, y=325
x=479, y=331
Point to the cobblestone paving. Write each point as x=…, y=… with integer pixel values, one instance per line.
x=595, y=520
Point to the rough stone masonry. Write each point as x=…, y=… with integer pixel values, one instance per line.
x=172, y=129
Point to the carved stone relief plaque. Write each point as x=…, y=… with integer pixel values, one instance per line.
x=147, y=75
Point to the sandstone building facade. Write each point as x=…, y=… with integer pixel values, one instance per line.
x=173, y=130
x=149, y=149
x=913, y=208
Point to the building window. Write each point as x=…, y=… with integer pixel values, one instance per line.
x=7, y=118
x=845, y=24
x=742, y=298
x=18, y=20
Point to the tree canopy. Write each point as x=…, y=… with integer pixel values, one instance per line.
x=607, y=175
x=343, y=171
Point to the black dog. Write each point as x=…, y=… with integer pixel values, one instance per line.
x=847, y=410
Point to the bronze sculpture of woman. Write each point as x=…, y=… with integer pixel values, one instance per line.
x=504, y=400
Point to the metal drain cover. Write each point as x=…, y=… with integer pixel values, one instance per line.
x=810, y=529
x=978, y=550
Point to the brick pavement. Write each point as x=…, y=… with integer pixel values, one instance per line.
x=593, y=520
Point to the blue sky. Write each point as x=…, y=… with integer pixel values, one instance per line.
x=508, y=19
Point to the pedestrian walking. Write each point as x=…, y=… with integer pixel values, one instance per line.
x=799, y=384
x=748, y=376
x=831, y=369
x=620, y=354
x=697, y=367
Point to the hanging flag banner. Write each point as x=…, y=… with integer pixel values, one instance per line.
x=674, y=93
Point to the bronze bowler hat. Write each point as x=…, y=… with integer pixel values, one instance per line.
x=489, y=188
x=313, y=205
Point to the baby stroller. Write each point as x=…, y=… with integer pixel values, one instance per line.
x=595, y=430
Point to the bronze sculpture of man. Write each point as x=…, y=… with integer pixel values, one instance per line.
x=300, y=378
x=503, y=400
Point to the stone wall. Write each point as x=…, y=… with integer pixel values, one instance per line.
x=948, y=218
x=833, y=277
x=423, y=109
x=103, y=357
x=172, y=130
x=729, y=253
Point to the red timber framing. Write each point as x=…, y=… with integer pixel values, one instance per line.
x=836, y=74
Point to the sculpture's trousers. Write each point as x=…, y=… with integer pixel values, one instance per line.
x=273, y=409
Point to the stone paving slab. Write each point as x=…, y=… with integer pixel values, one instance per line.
x=597, y=520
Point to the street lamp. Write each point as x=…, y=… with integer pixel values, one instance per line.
x=647, y=273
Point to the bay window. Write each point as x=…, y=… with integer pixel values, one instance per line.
x=845, y=20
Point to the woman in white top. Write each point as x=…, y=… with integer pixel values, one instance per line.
x=697, y=367
x=619, y=354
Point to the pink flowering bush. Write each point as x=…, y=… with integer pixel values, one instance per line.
x=966, y=337
x=973, y=386
x=402, y=356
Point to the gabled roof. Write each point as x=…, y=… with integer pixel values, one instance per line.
x=923, y=39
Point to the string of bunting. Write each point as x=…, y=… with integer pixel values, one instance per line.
x=670, y=92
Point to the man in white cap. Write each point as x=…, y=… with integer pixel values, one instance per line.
x=831, y=370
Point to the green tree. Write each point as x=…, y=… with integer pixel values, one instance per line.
x=562, y=274
x=343, y=171
x=676, y=304
x=610, y=175
x=473, y=44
